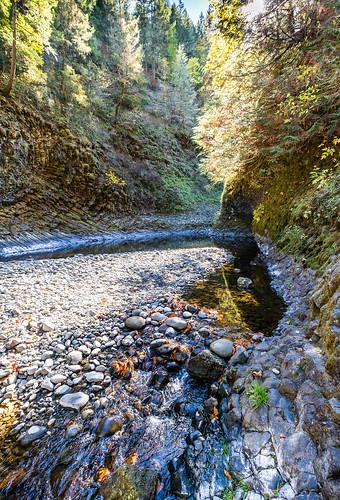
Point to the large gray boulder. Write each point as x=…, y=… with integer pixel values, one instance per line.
x=206, y=366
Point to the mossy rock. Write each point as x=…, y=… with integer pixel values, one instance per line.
x=130, y=483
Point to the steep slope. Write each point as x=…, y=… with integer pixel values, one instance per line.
x=53, y=179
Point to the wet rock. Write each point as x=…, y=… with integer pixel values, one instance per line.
x=240, y=357
x=206, y=366
x=177, y=323
x=135, y=323
x=35, y=432
x=130, y=483
x=75, y=400
x=73, y=430
x=109, y=426
x=181, y=478
x=159, y=378
x=222, y=347
x=244, y=283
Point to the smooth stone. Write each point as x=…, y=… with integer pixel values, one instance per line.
x=158, y=317
x=75, y=400
x=94, y=377
x=75, y=357
x=4, y=373
x=187, y=315
x=35, y=432
x=109, y=426
x=58, y=379
x=73, y=430
x=222, y=347
x=206, y=366
x=177, y=323
x=135, y=323
x=47, y=384
x=63, y=389
x=127, y=341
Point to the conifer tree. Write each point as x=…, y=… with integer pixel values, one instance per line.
x=183, y=100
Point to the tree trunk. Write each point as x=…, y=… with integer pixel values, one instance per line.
x=7, y=90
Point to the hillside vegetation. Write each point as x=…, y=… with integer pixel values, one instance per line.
x=98, y=105
x=269, y=128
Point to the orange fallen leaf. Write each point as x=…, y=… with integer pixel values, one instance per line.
x=228, y=475
x=215, y=412
x=102, y=474
x=258, y=374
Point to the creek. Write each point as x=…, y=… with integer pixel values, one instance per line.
x=167, y=425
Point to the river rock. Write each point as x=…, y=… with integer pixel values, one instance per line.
x=109, y=426
x=58, y=379
x=223, y=348
x=158, y=317
x=130, y=482
x=206, y=366
x=75, y=357
x=177, y=323
x=35, y=432
x=73, y=430
x=4, y=373
x=135, y=323
x=75, y=400
x=244, y=283
x=62, y=389
x=94, y=377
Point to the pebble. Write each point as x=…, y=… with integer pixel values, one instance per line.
x=222, y=347
x=75, y=357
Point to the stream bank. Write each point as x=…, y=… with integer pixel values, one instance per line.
x=63, y=330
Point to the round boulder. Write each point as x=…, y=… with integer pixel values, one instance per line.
x=223, y=348
x=206, y=366
x=135, y=323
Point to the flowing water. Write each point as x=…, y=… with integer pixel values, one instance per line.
x=159, y=422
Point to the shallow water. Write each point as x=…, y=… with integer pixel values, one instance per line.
x=58, y=468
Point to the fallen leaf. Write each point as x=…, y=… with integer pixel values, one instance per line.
x=226, y=473
x=102, y=474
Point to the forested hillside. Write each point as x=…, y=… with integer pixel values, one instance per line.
x=270, y=125
x=99, y=101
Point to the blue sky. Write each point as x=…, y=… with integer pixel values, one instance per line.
x=195, y=7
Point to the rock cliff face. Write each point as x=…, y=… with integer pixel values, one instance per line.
x=49, y=177
x=325, y=315
x=52, y=179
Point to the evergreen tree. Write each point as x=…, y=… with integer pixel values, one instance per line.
x=183, y=99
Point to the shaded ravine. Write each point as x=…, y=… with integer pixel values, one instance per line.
x=160, y=434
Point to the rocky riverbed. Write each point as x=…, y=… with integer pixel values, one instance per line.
x=112, y=384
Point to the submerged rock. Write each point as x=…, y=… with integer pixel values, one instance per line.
x=35, y=432
x=130, y=483
x=206, y=366
x=135, y=323
x=109, y=426
x=75, y=400
x=223, y=348
x=244, y=283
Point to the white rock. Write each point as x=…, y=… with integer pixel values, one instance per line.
x=58, y=378
x=94, y=377
x=75, y=357
x=75, y=400
x=47, y=384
